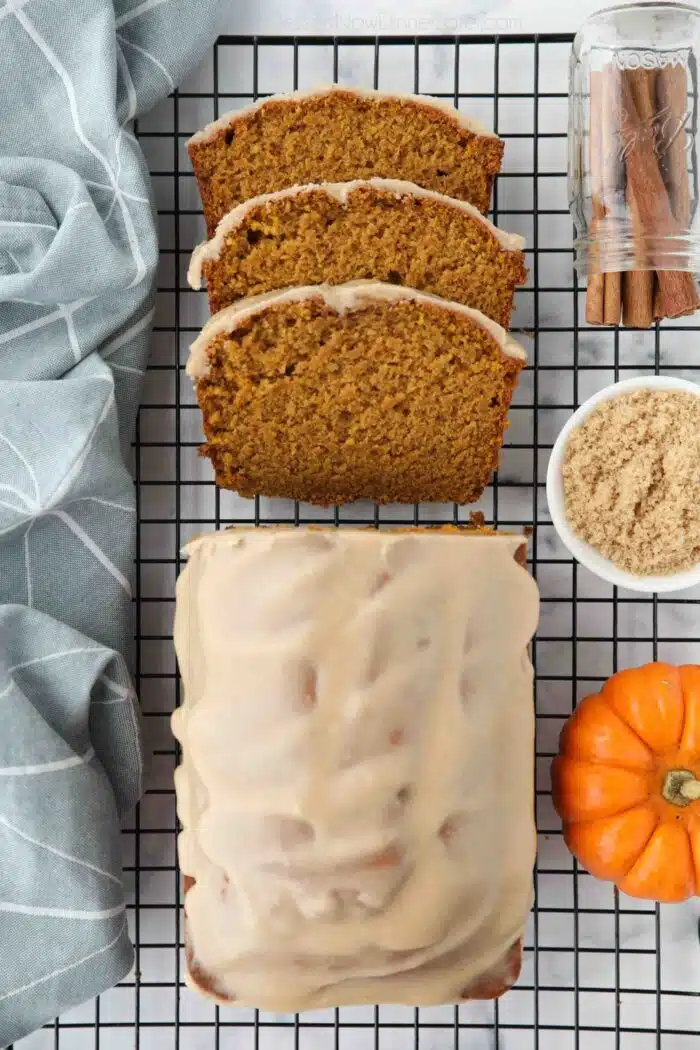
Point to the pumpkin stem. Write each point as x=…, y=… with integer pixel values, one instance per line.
x=681, y=787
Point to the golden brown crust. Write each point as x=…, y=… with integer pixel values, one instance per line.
x=203, y=981
x=420, y=242
x=489, y=986
x=338, y=136
x=495, y=984
x=402, y=402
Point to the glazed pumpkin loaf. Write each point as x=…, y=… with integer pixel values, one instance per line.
x=358, y=391
x=381, y=229
x=356, y=786
x=334, y=134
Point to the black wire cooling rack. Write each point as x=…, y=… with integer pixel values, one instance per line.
x=601, y=971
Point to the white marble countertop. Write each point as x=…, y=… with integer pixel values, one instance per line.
x=369, y=17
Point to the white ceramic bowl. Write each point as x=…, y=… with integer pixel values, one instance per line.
x=582, y=551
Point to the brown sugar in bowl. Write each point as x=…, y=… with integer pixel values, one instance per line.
x=583, y=551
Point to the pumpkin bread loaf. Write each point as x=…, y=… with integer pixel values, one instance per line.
x=336, y=134
x=356, y=786
x=380, y=229
x=359, y=391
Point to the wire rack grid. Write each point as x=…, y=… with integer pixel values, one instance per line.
x=601, y=971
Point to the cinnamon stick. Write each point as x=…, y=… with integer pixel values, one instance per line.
x=678, y=293
x=638, y=284
x=673, y=113
x=595, y=292
x=638, y=298
x=595, y=298
x=612, y=299
x=672, y=119
x=650, y=202
x=604, y=292
x=612, y=178
x=658, y=305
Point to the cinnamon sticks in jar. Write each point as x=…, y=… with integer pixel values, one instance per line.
x=603, y=295
x=640, y=196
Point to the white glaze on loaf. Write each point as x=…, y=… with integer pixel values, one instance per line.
x=356, y=790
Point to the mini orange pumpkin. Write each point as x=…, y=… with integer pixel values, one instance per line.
x=627, y=782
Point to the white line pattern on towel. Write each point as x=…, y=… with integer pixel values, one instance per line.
x=53, y=60
x=40, y=768
x=62, y=913
x=137, y=11
x=57, y=852
x=147, y=54
x=63, y=969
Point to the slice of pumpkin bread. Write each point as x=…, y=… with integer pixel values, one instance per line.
x=334, y=134
x=358, y=391
x=381, y=229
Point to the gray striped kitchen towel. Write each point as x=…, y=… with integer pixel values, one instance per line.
x=78, y=254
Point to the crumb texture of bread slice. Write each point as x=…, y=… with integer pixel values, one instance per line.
x=400, y=398
x=380, y=230
x=338, y=135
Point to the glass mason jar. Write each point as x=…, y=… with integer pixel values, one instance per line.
x=633, y=164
